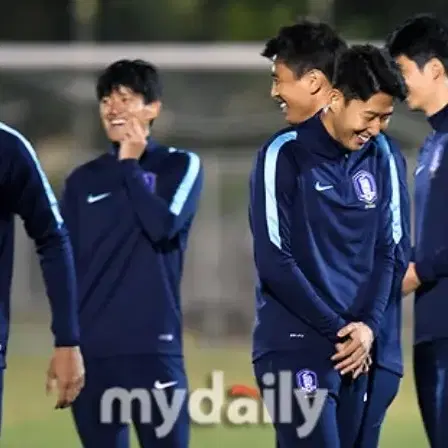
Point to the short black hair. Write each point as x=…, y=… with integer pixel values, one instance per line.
x=138, y=75
x=305, y=46
x=365, y=70
x=420, y=38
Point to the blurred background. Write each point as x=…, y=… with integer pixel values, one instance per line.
x=217, y=103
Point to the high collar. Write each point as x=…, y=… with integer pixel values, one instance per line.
x=150, y=145
x=325, y=145
x=439, y=121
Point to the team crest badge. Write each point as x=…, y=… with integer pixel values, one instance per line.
x=365, y=187
x=436, y=159
x=307, y=381
x=150, y=181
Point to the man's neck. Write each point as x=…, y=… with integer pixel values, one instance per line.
x=327, y=121
x=321, y=100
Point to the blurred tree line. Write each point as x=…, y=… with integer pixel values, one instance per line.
x=196, y=20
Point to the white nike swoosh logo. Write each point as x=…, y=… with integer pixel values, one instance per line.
x=158, y=385
x=91, y=199
x=320, y=187
x=419, y=169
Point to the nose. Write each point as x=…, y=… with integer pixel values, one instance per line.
x=274, y=91
x=115, y=109
x=375, y=127
x=385, y=124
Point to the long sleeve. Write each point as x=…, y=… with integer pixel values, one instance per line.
x=405, y=245
x=273, y=187
x=164, y=211
x=31, y=197
x=68, y=208
x=432, y=258
x=390, y=232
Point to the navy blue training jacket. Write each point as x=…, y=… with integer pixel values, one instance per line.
x=388, y=343
x=431, y=233
x=129, y=222
x=26, y=192
x=322, y=230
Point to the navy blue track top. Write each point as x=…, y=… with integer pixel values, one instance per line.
x=26, y=192
x=431, y=233
x=129, y=222
x=323, y=238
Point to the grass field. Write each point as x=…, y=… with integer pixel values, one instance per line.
x=31, y=422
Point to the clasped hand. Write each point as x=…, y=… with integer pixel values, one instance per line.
x=353, y=355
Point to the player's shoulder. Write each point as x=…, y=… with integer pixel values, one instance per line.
x=383, y=143
x=179, y=155
x=14, y=142
x=181, y=159
x=280, y=141
x=389, y=146
x=281, y=138
x=388, y=142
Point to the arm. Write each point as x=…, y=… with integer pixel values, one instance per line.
x=164, y=212
x=431, y=263
x=405, y=249
x=405, y=245
x=410, y=280
x=32, y=198
x=272, y=193
x=390, y=233
x=68, y=211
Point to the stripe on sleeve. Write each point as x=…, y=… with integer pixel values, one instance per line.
x=270, y=174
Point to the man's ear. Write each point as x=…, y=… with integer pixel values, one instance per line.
x=316, y=80
x=436, y=69
x=152, y=110
x=336, y=100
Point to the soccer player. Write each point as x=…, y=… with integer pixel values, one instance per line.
x=317, y=46
x=130, y=212
x=321, y=223
x=420, y=46
x=26, y=192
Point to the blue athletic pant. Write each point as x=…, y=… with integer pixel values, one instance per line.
x=382, y=390
x=431, y=380
x=134, y=373
x=340, y=420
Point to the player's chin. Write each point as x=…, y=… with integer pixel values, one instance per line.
x=115, y=135
x=356, y=143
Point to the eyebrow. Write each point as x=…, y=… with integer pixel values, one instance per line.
x=373, y=112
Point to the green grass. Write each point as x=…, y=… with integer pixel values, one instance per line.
x=30, y=421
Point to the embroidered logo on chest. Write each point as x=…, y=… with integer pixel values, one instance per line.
x=150, y=180
x=365, y=187
x=436, y=159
